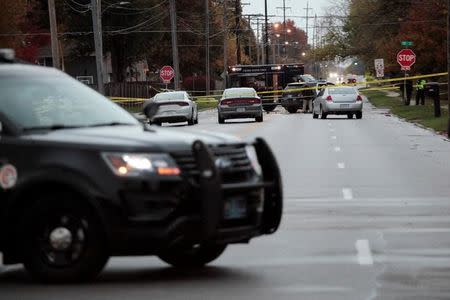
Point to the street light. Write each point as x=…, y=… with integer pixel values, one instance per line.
x=303, y=54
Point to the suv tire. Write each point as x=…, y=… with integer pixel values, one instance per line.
x=63, y=240
x=220, y=120
x=359, y=115
x=260, y=118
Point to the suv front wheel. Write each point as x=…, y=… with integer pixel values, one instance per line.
x=62, y=239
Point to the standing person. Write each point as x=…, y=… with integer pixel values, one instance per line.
x=420, y=92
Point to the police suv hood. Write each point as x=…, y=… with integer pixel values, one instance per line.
x=130, y=138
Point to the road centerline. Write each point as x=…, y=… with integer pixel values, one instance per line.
x=347, y=193
x=364, y=253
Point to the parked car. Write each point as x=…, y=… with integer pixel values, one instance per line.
x=82, y=180
x=175, y=107
x=294, y=98
x=342, y=100
x=237, y=103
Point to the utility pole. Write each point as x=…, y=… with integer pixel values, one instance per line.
x=266, y=34
x=175, y=58
x=208, y=71
x=284, y=7
x=257, y=41
x=97, y=26
x=448, y=64
x=315, y=45
x=225, y=39
x=238, y=25
x=307, y=20
x=54, y=34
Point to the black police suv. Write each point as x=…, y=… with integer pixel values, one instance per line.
x=82, y=180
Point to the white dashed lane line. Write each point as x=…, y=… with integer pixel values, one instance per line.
x=364, y=253
x=337, y=149
x=341, y=165
x=334, y=137
x=347, y=194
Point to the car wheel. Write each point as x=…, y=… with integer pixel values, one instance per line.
x=194, y=256
x=315, y=116
x=350, y=116
x=269, y=108
x=292, y=110
x=196, y=119
x=63, y=240
x=322, y=114
x=359, y=115
x=260, y=118
x=221, y=120
x=191, y=121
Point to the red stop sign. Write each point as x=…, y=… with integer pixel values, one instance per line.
x=406, y=58
x=166, y=73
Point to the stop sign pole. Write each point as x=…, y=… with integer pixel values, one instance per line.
x=406, y=58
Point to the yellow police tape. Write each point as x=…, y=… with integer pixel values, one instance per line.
x=208, y=99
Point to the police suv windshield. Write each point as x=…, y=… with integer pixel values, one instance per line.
x=57, y=102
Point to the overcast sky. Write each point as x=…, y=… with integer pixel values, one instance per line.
x=296, y=10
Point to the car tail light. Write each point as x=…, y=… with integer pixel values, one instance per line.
x=238, y=101
x=359, y=98
x=329, y=99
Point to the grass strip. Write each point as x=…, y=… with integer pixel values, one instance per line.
x=423, y=115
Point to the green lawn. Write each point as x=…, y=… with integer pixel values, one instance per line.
x=423, y=115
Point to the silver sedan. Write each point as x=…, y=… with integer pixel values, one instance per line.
x=339, y=100
x=175, y=107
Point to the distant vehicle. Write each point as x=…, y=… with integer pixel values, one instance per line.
x=82, y=180
x=175, y=107
x=307, y=78
x=294, y=99
x=239, y=103
x=338, y=101
x=266, y=79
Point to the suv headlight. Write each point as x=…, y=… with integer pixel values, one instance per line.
x=139, y=164
x=251, y=153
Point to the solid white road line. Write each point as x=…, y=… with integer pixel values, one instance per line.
x=341, y=165
x=364, y=253
x=347, y=194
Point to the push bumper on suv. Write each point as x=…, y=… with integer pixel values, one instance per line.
x=195, y=208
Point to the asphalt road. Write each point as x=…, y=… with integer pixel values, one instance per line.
x=367, y=216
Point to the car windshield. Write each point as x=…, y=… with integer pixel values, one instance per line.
x=341, y=91
x=170, y=96
x=239, y=93
x=308, y=78
x=57, y=102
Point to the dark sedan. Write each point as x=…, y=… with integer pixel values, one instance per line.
x=237, y=103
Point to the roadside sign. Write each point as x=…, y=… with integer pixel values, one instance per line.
x=407, y=43
x=379, y=67
x=406, y=58
x=167, y=74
